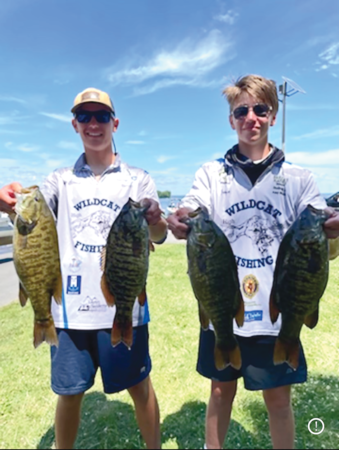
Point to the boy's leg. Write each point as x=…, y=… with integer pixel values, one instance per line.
x=223, y=390
x=67, y=419
x=73, y=371
x=123, y=369
x=147, y=412
x=281, y=417
x=218, y=413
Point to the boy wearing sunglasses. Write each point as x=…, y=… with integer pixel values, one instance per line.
x=86, y=200
x=253, y=196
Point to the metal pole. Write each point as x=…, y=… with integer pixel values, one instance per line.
x=283, y=118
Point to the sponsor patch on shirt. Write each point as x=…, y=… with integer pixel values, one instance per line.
x=250, y=286
x=253, y=316
x=73, y=285
x=75, y=265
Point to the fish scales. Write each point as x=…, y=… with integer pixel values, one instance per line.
x=214, y=278
x=126, y=268
x=300, y=279
x=37, y=262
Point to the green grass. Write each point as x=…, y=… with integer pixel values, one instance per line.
x=27, y=404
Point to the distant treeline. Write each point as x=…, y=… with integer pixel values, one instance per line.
x=164, y=194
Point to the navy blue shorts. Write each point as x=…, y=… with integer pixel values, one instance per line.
x=80, y=353
x=258, y=369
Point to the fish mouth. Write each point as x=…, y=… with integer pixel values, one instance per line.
x=20, y=197
x=318, y=212
x=201, y=209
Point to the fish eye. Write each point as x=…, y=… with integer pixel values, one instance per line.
x=36, y=199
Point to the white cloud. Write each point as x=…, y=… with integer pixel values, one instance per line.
x=327, y=158
x=5, y=98
x=135, y=142
x=173, y=179
x=228, y=18
x=326, y=132
x=5, y=163
x=60, y=117
x=168, y=171
x=308, y=107
x=28, y=148
x=218, y=155
x=8, y=120
x=188, y=64
x=329, y=58
x=68, y=145
x=331, y=54
x=54, y=163
x=324, y=165
x=162, y=158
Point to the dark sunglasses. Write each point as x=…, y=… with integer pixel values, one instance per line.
x=100, y=116
x=260, y=110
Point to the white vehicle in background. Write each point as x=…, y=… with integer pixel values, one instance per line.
x=173, y=206
x=6, y=230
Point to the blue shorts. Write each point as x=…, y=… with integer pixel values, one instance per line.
x=258, y=369
x=80, y=353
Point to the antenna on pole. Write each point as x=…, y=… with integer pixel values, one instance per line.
x=283, y=90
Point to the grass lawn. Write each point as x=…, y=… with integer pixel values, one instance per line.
x=27, y=404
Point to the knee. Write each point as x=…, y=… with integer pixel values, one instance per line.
x=141, y=391
x=222, y=393
x=278, y=403
x=71, y=400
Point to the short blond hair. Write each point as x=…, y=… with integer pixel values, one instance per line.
x=259, y=87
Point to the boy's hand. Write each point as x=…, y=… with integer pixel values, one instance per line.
x=153, y=214
x=7, y=197
x=178, y=228
x=331, y=226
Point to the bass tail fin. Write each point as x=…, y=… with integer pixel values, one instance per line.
x=286, y=352
x=225, y=357
x=122, y=334
x=44, y=330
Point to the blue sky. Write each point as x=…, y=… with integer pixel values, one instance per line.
x=165, y=65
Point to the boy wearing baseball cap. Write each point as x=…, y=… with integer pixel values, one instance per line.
x=86, y=199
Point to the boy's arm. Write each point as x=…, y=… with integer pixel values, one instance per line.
x=157, y=224
x=198, y=196
x=7, y=197
x=311, y=195
x=331, y=227
x=50, y=191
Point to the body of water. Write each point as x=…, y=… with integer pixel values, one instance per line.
x=165, y=202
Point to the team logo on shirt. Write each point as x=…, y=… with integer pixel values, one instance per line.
x=92, y=304
x=262, y=232
x=250, y=286
x=279, y=185
x=75, y=265
x=223, y=175
x=73, y=285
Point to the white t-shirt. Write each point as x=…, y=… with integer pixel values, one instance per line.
x=86, y=209
x=254, y=219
